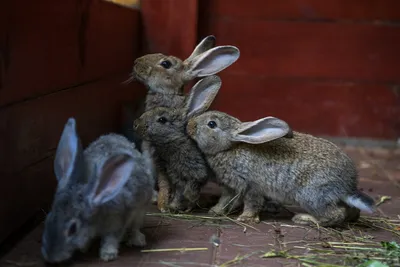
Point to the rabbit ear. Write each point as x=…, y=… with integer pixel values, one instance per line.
x=202, y=95
x=205, y=44
x=261, y=131
x=113, y=175
x=68, y=159
x=211, y=62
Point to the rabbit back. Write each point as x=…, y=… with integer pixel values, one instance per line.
x=303, y=168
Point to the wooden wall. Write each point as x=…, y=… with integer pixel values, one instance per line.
x=57, y=59
x=328, y=67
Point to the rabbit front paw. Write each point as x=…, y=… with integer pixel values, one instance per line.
x=109, y=248
x=305, y=219
x=216, y=210
x=108, y=253
x=249, y=218
x=138, y=240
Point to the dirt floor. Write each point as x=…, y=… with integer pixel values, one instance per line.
x=276, y=241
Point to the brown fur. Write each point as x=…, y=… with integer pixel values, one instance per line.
x=166, y=82
x=251, y=159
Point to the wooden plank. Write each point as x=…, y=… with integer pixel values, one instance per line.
x=53, y=46
x=317, y=50
x=170, y=27
x=302, y=9
x=42, y=48
x=29, y=133
x=111, y=39
x=323, y=108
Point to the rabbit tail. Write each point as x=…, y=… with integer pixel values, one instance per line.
x=361, y=201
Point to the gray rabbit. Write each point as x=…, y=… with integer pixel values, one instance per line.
x=102, y=191
x=177, y=154
x=251, y=159
x=165, y=77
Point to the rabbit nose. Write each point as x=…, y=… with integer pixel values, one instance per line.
x=191, y=127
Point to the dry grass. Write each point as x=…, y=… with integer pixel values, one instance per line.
x=349, y=245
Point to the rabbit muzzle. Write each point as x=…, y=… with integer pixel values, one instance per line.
x=139, y=127
x=141, y=71
x=191, y=128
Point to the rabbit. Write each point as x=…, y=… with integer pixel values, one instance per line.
x=165, y=77
x=102, y=191
x=177, y=153
x=251, y=159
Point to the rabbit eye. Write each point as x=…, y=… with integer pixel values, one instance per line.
x=162, y=120
x=212, y=124
x=72, y=229
x=166, y=64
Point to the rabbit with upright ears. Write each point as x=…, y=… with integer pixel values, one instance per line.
x=251, y=159
x=102, y=191
x=165, y=77
x=176, y=154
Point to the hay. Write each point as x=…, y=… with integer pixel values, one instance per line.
x=348, y=246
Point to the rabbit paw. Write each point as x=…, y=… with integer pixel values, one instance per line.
x=216, y=211
x=249, y=218
x=304, y=219
x=108, y=253
x=137, y=240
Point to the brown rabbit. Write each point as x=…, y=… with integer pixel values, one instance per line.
x=165, y=78
x=251, y=159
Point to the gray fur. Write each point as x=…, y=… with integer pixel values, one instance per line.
x=252, y=160
x=177, y=154
x=166, y=85
x=104, y=194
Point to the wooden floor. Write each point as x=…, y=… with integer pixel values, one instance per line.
x=221, y=241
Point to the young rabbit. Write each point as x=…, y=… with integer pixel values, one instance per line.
x=176, y=154
x=102, y=192
x=251, y=158
x=165, y=77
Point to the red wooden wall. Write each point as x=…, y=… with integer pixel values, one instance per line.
x=57, y=59
x=328, y=67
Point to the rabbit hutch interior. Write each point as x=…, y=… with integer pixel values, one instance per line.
x=200, y=133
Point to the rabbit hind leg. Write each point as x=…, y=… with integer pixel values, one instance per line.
x=253, y=205
x=329, y=216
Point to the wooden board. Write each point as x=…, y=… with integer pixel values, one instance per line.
x=47, y=46
x=339, y=58
x=30, y=131
x=169, y=27
x=319, y=107
x=303, y=9
x=318, y=50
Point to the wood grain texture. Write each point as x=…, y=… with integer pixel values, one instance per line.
x=57, y=60
x=316, y=50
x=318, y=107
x=169, y=27
x=29, y=134
x=303, y=9
x=48, y=46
